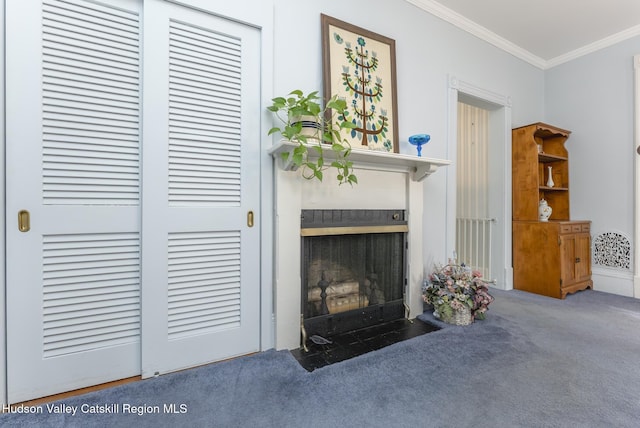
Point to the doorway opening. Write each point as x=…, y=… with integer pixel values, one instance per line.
x=479, y=189
x=474, y=225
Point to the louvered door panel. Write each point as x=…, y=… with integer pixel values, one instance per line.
x=91, y=71
x=200, y=260
x=73, y=150
x=204, y=282
x=91, y=292
x=204, y=117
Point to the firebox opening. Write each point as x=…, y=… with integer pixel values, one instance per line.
x=353, y=269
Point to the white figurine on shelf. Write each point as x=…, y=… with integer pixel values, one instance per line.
x=550, y=182
x=544, y=210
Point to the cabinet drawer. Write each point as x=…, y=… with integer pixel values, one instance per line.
x=586, y=227
x=576, y=227
x=565, y=228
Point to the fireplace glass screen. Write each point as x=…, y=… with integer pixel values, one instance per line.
x=352, y=281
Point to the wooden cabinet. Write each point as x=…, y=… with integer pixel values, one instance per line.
x=551, y=258
x=536, y=148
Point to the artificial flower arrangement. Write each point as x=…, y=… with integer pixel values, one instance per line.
x=453, y=289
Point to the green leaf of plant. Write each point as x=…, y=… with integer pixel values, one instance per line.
x=297, y=159
x=300, y=151
x=314, y=108
x=334, y=113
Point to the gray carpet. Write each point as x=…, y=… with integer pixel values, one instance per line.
x=534, y=362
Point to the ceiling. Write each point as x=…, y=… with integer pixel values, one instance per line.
x=542, y=32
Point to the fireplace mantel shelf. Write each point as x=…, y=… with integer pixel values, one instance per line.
x=421, y=167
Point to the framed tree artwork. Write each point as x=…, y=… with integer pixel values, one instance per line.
x=360, y=66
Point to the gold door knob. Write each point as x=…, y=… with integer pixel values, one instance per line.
x=250, y=219
x=24, y=221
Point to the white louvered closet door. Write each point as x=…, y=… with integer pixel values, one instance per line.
x=73, y=119
x=201, y=178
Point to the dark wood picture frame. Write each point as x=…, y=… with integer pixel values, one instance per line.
x=360, y=66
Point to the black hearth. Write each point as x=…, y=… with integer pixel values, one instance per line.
x=353, y=269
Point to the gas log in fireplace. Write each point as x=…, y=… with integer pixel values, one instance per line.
x=353, y=269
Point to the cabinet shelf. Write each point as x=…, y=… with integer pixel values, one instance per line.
x=547, y=158
x=553, y=189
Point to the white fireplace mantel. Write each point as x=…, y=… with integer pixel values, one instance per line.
x=385, y=181
x=419, y=167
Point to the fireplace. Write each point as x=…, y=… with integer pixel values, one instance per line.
x=386, y=182
x=353, y=269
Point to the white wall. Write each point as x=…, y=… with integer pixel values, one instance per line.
x=593, y=97
x=3, y=360
x=428, y=50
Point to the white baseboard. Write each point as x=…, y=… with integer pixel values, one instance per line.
x=615, y=282
x=508, y=278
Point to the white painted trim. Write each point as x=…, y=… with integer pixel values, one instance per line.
x=595, y=46
x=267, y=304
x=258, y=15
x=507, y=207
x=3, y=242
x=415, y=259
x=480, y=93
x=492, y=100
x=452, y=17
x=479, y=31
x=612, y=272
x=418, y=167
x=613, y=281
x=452, y=154
x=287, y=272
x=636, y=145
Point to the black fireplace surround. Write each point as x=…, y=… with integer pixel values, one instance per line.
x=353, y=269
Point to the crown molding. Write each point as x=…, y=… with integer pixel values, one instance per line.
x=446, y=14
x=592, y=47
x=479, y=31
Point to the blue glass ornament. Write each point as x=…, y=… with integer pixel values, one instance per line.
x=419, y=140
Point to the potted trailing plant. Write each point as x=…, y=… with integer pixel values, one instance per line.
x=458, y=294
x=306, y=123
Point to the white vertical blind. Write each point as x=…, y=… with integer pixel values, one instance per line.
x=473, y=225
